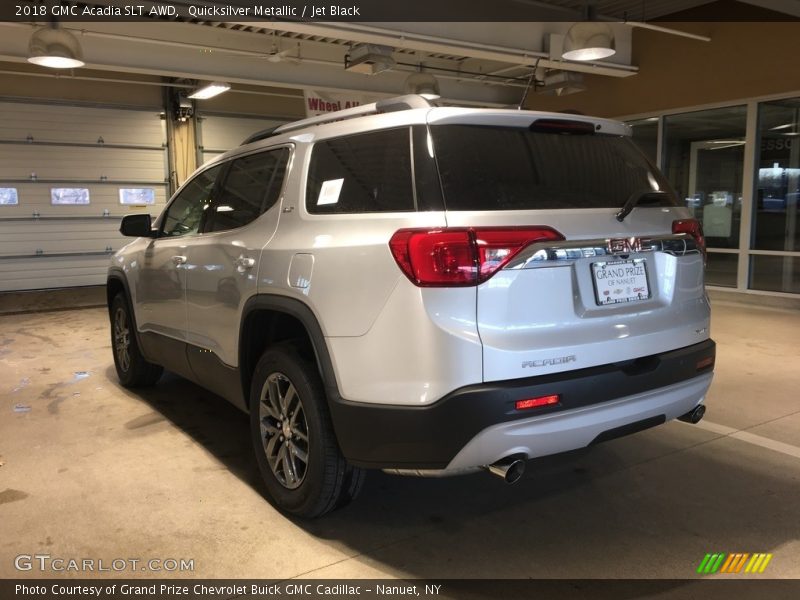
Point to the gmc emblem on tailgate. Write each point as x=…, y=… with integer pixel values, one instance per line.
x=624, y=245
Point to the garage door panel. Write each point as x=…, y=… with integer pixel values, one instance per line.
x=27, y=238
x=51, y=123
x=79, y=163
x=57, y=229
x=35, y=198
x=52, y=272
x=44, y=245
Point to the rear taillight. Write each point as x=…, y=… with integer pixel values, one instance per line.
x=461, y=256
x=693, y=228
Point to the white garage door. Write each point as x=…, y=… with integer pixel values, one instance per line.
x=67, y=176
x=218, y=133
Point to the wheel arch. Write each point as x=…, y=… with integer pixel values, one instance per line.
x=268, y=318
x=116, y=283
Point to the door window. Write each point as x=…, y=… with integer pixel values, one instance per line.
x=252, y=185
x=185, y=213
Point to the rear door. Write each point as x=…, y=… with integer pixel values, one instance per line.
x=604, y=290
x=224, y=260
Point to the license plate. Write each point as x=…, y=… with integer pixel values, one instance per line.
x=620, y=281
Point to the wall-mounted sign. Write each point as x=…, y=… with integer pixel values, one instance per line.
x=321, y=103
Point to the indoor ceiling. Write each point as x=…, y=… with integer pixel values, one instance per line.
x=475, y=63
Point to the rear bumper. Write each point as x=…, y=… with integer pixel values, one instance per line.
x=479, y=424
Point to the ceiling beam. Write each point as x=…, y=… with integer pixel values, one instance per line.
x=107, y=50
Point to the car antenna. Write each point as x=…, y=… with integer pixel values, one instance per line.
x=531, y=80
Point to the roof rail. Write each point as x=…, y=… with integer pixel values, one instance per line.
x=260, y=135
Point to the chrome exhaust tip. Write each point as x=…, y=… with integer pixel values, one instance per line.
x=508, y=469
x=694, y=415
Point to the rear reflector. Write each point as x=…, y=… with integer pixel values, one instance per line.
x=461, y=256
x=705, y=363
x=537, y=402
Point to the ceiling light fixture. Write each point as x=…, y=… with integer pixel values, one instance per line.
x=55, y=48
x=589, y=39
x=421, y=83
x=210, y=90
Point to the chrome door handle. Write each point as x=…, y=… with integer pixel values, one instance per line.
x=244, y=262
x=179, y=260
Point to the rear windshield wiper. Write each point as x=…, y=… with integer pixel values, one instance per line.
x=635, y=198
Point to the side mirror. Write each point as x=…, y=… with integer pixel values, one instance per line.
x=136, y=226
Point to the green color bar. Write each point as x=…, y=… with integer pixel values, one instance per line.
x=703, y=564
x=711, y=562
x=718, y=563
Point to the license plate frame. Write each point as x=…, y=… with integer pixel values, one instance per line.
x=620, y=281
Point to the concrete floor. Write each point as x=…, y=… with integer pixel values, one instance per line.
x=92, y=470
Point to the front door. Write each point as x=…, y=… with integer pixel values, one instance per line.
x=164, y=263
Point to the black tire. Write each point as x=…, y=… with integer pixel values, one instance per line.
x=132, y=368
x=296, y=449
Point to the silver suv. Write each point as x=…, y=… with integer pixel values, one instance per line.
x=420, y=289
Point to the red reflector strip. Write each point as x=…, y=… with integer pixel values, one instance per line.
x=704, y=363
x=561, y=126
x=536, y=402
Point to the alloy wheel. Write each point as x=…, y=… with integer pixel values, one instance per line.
x=284, y=430
x=122, y=341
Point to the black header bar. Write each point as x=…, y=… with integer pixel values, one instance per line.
x=321, y=11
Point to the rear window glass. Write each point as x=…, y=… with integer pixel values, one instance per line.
x=503, y=168
x=369, y=172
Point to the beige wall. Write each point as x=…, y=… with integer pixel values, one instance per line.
x=47, y=84
x=238, y=101
x=743, y=60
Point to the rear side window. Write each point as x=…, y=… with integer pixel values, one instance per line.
x=504, y=168
x=252, y=185
x=368, y=172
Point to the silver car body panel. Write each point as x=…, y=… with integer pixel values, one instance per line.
x=569, y=430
